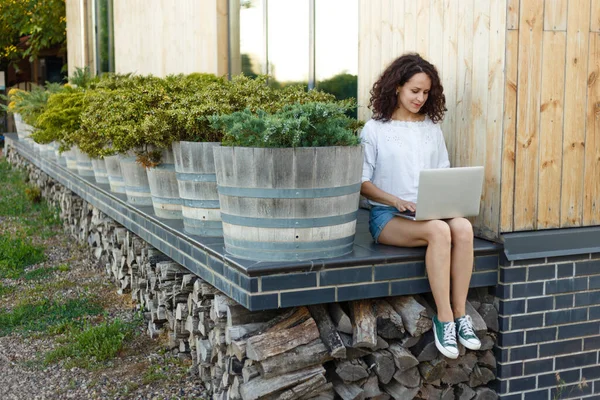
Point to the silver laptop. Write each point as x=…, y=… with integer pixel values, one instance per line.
x=448, y=193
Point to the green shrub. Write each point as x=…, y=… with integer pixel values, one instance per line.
x=60, y=118
x=298, y=125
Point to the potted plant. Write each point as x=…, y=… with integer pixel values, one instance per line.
x=193, y=151
x=289, y=181
x=58, y=121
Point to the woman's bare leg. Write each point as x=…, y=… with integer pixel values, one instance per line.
x=462, y=262
x=436, y=235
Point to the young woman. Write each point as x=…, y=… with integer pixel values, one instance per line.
x=402, y=138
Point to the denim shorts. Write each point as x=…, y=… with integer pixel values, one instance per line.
x=378, y=218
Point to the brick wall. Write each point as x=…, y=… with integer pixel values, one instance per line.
x=549, y=324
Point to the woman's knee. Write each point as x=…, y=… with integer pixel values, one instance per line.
x=438, y=231
x=461, y=230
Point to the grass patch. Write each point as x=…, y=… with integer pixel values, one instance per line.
x=21, y=200
x=39, y=274
x=92, y=344
x=37, y=317
x=6, y=290
x=16, y=254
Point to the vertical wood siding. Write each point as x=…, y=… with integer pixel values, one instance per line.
x=162, y=37
x=522, y=85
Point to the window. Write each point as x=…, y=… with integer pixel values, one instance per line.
x=105, y=55
x=312, y=42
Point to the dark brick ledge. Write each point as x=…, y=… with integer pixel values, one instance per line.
x=370, y=271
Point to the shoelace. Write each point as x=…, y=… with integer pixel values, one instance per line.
x=466, y=326
x=449, y=333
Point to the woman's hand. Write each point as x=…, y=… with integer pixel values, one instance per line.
x=403, y=205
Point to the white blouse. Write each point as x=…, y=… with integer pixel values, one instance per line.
x=397, y=151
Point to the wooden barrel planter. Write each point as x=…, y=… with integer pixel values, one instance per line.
x=115, y=176
x=71, y=158
x=163, y=187
x=135, y=176
x=99, y=168
x=288, y=204
x=84, y=163
x=195, y=167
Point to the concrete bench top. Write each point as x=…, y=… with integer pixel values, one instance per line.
x=370, y=270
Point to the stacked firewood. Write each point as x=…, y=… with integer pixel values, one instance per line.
x=367, y=349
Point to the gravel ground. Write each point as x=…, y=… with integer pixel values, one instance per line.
x=142, y=370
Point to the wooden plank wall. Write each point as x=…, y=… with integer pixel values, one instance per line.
x=162, y=37
x=551, y=151
x=466, y=41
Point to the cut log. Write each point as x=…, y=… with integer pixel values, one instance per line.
x=348, y=391
x=455, y=375
x=259, y=387
x=351, y=370
x=303, y=388
x=480, y=376
x=323, y=392
x=414, y=315
x=398, y=391
x=464, y=392
x=487, y=342
x=313, y=353
x=381, y=344
x=409, y=378
x=389, y=322
x=239, y=315
x=328, y=332
x=425, y=350
x=485, y=393
x=479, y=325
x=487, y=360
x=403, y=358
x=490, y=316
x=382, y=363
x=351, y=352
x=371, y=387
x=238, y=348
x=364, y=325
x=250, y=372
x=237, y=332
x=268, y=344
x=285, y=321
x=340, y=318
x=409, y=341
x=432, y=370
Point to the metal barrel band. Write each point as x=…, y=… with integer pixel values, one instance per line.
x=268, y=193
x=167, y=200
x=137, y=189
x=197, y=223
x=201, y=203
x=291, y=255
x=191, y=177
x=299, y=246
x=267, y=222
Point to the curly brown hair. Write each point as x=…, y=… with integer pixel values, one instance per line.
x=383, y=95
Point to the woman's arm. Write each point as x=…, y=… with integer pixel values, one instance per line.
x=372, y=192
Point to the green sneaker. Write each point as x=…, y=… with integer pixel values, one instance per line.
x=466, y=334
x=445, y=337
